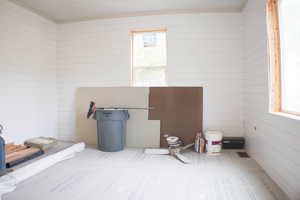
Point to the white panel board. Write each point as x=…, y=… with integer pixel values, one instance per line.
x=141, y=132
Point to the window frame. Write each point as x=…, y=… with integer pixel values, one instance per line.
x=275, y=71
x=131, y=36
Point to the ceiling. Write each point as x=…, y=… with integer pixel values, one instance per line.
x=76, y=10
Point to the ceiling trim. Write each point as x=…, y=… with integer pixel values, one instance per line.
x=149, y=13
x=35, y=11
x=124, y=15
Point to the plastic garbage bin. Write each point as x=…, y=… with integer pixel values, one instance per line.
x=111, y=129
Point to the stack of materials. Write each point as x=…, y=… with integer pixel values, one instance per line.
x=17, y=154
x=199, y=143
x=42, y=143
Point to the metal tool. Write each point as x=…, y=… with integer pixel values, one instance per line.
x=93, y=108
x=175, y=147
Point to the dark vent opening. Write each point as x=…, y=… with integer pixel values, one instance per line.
x=243, y=154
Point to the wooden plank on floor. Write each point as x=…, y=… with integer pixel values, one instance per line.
x=21, y=154
x=11, y=148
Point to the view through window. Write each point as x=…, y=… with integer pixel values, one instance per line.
x=289, y=23
x=149, y=58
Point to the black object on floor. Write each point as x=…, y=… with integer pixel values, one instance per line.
x=24, y=159
x=233, y=143
x=243, y=154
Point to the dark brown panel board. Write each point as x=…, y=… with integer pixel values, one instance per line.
x=180, y=110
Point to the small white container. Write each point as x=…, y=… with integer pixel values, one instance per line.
x=213, y=141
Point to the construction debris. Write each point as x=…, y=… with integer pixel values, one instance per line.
x=16, y=154
x=41, y=142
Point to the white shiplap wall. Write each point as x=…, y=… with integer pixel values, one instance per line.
x=275, y=143
x=203, y=50
x=27, y=74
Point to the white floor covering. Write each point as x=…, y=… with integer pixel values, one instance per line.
x=132, y=175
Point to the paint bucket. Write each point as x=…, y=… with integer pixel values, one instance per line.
x=213, y=141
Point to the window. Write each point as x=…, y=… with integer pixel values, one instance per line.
x=149, y=58
x=284, y=45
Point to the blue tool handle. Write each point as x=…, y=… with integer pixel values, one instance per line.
x=2, y=151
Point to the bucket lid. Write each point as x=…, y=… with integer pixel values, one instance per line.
x=214, y=134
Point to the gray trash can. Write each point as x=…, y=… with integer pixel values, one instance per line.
x=111, y=129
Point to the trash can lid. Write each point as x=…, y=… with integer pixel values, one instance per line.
x=110, y=109
x=111, y=114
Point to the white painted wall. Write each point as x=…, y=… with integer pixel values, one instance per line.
x=27, y=74
x=203, y=50
x=275, y=142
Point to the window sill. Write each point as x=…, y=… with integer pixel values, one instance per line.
x=290, y=116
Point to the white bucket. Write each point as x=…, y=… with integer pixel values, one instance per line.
x=213, y=141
